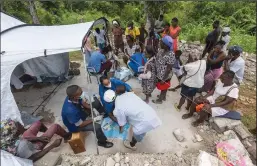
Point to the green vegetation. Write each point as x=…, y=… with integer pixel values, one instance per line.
x=195, y=17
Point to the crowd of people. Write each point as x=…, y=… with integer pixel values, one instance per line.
x=158, y=53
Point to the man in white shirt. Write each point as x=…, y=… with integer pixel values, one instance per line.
x=235, y=63
x=129, y=108
x=100, y=38
x=158, y=25
x=194, y=72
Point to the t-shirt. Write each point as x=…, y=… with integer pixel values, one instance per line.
x=129, y=108
x=238, y=67
x=72, y=113
x=96, y=60
x=132, y=32
x=158, y=24
x=221, y=90
x=100, y=37
x=195, y=80
x=130, y=51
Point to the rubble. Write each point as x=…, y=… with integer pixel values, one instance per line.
x=223, y=124
x=198, y=138
x=205, y=159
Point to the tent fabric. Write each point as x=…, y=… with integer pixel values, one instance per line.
x=9, y=159
x=45, y=69
x=8, y=22
x=27, y=42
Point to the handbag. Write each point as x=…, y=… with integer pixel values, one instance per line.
x=184, y=77
x=230, y=106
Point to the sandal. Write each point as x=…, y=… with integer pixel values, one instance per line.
x=176, y=107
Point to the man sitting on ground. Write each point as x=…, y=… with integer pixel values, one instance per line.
x=74, y=116
x=99, y=61
x=24, y=143
x=131, y=109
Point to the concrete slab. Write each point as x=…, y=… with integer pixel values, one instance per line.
x=223, y=124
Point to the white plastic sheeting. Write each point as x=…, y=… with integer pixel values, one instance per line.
x=9, y=22
x=11, y=160
x=23, y=43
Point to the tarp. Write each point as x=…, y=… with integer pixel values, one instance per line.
x=9, y=159
x=25, y=42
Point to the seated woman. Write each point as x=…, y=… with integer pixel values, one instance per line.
x=136, y=60
x=219, y=101
x=149, y=75
x=214, y=66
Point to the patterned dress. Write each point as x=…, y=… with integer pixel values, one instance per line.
x=149, y=84
x=162, y=60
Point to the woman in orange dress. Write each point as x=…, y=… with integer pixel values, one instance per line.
x=174, y=33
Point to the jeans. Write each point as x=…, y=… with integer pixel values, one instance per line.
x=99, y=132
x=98, y=106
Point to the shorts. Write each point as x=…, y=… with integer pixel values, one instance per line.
x=216, y=111
x=139, y=137
x=188, y=91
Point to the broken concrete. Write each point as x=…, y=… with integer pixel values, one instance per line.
x=242, y=131
x=179, y=135
x=205, y=159
x=223, y=124
x=50, y=159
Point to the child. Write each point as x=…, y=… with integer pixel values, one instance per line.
x=149, y=75
x=129, y=49
x=153, y=41
x=177, y=68
x=143, y=35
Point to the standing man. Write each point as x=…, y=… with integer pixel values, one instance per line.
x=132, y=31
x=226, y=38
x=100, y=38
x=235, y=63
x=118, y=40
x=74, y=115
x=212, y=38
x=131, y=109
x=158, y=25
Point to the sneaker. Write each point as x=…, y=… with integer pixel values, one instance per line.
x=127, y=145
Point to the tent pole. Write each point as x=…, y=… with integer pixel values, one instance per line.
x=91, y=107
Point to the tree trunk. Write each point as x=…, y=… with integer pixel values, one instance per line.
x=149, y=16
x=33, y=12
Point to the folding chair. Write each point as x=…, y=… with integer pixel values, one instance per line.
x=92, y=72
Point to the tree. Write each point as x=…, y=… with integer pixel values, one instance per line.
x=33, y=12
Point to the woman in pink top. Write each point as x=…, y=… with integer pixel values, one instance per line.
x=174, y=33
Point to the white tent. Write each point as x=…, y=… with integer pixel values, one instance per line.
x=20, y=42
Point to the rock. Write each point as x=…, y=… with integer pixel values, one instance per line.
x=194, y=140
x=198, y=138
x=117, y=157
x=178, y=133
x=205, y=159
x=126, y=160
x=223, y=124
x=157, y=163
x=110, y=162
x=117, y=164
x=146, y=163
x=85, y=161
x=152, y=160
x=242, y=131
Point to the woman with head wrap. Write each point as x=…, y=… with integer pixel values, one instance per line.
x=165, y=59
x=194, y=72
x=235, y=63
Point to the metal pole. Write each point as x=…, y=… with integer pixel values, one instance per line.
x=91, y=107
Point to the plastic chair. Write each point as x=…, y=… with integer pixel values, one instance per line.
x=92, y=72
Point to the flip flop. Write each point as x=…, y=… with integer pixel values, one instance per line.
x=176, y=107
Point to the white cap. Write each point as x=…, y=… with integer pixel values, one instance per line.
x=115, y=22
x=226, y=29
x=109, y=96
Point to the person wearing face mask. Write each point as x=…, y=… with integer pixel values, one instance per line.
x=74, y=115
x=106, y=84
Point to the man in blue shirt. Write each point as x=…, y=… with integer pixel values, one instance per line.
x=112, y=84
x=99, y=62
x=74, y=114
